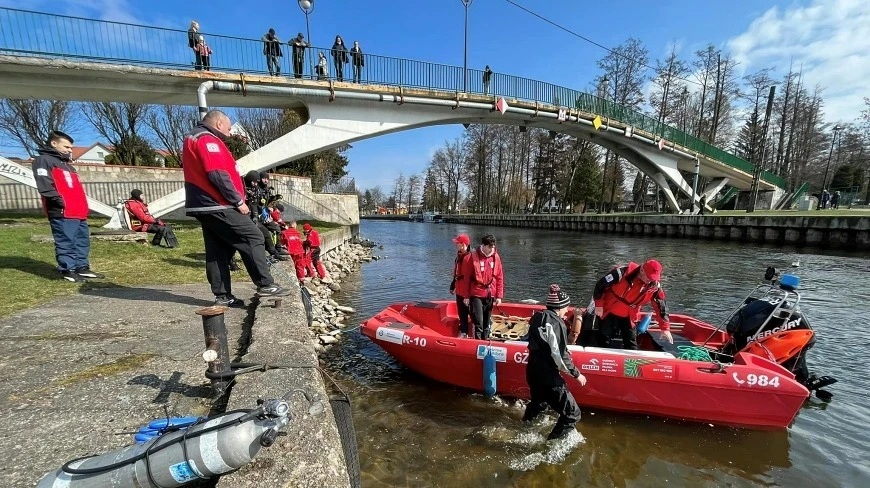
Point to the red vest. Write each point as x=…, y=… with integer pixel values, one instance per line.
x=75, y=203
x=625, y=299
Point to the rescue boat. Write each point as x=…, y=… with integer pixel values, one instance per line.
x=753, y=387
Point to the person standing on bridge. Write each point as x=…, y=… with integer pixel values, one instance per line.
x=203, y=55
x=215, y=197
x=66, y=206
x=482, y=285
x=339, y=57
x=192, y=38
x=322, y=67
x=358, y=61
x=272, y=51
x=487, y=77
x=299, y=45
x=549, y=357
x=619, y=296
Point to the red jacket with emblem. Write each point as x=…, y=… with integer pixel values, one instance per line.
x=622, y=293
x=63, y=195
x=277, y=217
x=140, y=212
x=482, y=276
x=292, y=240
x=211, y=179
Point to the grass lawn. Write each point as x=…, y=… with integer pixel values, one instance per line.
x=28, y=274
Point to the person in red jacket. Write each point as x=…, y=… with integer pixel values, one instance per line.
x=292, y=241
x=215, y=196
x=463, y=244
x=482, y=284
x=143, y=221
x=619, y=296
x=66, y=206
x=312, y=238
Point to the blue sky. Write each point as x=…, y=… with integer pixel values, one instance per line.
x=759, y=32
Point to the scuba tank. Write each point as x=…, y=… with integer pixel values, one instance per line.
x=489, y=379
x=204, y=450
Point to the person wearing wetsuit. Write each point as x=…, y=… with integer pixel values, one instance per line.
x=549, y=358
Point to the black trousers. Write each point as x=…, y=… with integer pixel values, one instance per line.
x=339, y=70
x=558, y=398
x=224, y=233
x=297, y=66
x=462, y=310
x=268, y=242
x=162, y=232
x=612, y=322
x=481, y=316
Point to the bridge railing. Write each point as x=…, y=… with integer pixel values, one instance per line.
x=27, y=33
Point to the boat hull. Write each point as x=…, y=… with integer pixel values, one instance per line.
x=752, y=392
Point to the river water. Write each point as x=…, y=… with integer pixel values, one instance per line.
x=418, y=433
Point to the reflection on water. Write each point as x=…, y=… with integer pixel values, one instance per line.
x=415, y=432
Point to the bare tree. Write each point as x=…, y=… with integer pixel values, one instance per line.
x=264, y=125
x=415, y=184
x=28, y=122
x=400, y=189
x=170, y=123
x=121, y=125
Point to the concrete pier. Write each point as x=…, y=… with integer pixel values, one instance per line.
x=840, y=232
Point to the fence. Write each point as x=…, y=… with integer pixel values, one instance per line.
x=27, y=33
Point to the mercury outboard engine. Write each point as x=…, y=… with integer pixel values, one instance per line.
x=770, y=324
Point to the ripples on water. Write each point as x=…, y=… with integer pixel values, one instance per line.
x=415, y=432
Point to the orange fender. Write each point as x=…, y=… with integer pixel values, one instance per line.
x=781, y=346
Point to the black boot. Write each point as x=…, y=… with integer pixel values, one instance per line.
x=171, y=240
x=158, y=236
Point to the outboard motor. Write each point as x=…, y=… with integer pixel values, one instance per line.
x=773, y=326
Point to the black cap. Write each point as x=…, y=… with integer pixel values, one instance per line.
x=136, y=194
x=252, y=177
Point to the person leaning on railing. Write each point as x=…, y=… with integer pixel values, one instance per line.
x=298, y=44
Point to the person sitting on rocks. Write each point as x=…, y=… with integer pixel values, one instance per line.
x=143, y=221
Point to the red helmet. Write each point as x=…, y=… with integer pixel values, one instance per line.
x=306, y=227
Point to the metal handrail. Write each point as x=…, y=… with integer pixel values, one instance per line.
x=30, y=33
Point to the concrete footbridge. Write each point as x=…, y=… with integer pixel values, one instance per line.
x=47, y=56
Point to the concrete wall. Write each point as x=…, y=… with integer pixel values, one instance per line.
x=110, y=184
x=852, y=232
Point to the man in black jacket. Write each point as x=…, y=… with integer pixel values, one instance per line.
x=548, y=358
x=66, y=206
x=272, y=51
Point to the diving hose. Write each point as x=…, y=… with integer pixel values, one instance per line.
x=204, y=450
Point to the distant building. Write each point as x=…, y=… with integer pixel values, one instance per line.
x=93, y=154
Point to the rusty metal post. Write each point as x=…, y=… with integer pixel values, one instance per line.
x=217, y=351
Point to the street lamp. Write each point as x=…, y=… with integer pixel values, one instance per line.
x=466, y=3
x=836, y=130
x=307, y=7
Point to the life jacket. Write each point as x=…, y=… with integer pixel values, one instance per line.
x=625, y=297
x=68, y=185
x=457, y=265
x=480, y=272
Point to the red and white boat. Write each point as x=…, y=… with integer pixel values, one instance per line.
x=750, y=390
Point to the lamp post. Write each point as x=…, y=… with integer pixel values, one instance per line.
x=603, y=83
x=837, y=130
x=466, y=4
x=307, y=6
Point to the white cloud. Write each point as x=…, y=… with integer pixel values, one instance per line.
x=830, y=38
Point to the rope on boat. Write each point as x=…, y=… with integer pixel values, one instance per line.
x=694, y=353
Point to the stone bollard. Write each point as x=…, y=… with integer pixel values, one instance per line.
x=217, y=351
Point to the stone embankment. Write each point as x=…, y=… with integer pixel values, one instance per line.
x=328, y=315
x=836, y=232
